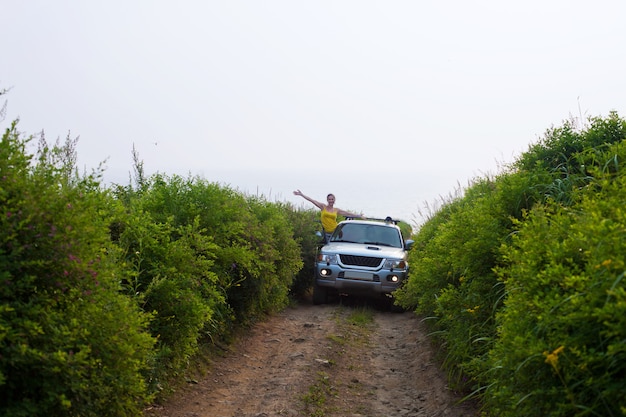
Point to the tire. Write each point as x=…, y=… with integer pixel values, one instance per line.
x=320, y=295
x=395, y=308
x=391, y=305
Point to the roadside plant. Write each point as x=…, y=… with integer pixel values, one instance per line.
x=71, y=344
x=560, y=349
x=462, y=282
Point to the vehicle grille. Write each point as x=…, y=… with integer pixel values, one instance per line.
x=367, y=261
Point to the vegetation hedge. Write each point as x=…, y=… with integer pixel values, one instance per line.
x=108, y=293
x=561, y=342
x=70, y=343
x=521, y=278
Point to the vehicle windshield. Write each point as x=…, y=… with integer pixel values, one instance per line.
x=369, y=234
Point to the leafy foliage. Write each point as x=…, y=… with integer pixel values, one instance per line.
x=108, y=294
x=202, y=259
x=451, y=278
x=561, y=340
x=523, y=273
x=305, y=224
x=70, y=343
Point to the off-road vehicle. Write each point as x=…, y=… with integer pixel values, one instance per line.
x=362, y=257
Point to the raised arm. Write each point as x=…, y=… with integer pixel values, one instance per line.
x=345, y=213
x=317, y=203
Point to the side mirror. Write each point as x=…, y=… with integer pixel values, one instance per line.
x=408, y=244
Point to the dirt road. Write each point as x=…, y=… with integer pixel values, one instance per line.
x=324, y=361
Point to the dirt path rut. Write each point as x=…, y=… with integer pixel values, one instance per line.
x=324, y=361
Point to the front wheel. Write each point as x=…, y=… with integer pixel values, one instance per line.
x=392, y=306
x=320, y=294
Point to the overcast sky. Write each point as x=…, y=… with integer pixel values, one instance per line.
x=389, y=104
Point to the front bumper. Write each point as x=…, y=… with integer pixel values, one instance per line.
x=359, y=281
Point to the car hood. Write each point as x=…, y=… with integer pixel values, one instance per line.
x=360, y=249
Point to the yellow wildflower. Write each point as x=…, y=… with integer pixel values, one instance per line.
x=552, y=358
x=606, y=263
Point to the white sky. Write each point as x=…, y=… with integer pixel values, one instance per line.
x=388, y=104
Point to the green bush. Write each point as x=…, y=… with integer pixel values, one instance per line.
x=169, y=273
x=451, y=279
x=198, y=258
x=561, y=350
x=70, y=343
x=453, y=282
x=277, y=250
x=560, y=145
x=561, y=161
x=203, y=258
x=305, y=224
x=255, y=256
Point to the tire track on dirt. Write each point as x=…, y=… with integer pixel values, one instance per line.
x=385, y=370
x=410, y=384
x=264, y=373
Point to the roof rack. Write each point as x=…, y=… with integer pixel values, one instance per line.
x=387, y=219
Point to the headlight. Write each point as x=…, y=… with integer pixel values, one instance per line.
x=328, y=259
x=395, y=264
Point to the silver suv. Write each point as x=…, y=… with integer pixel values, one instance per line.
x=362, y=257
